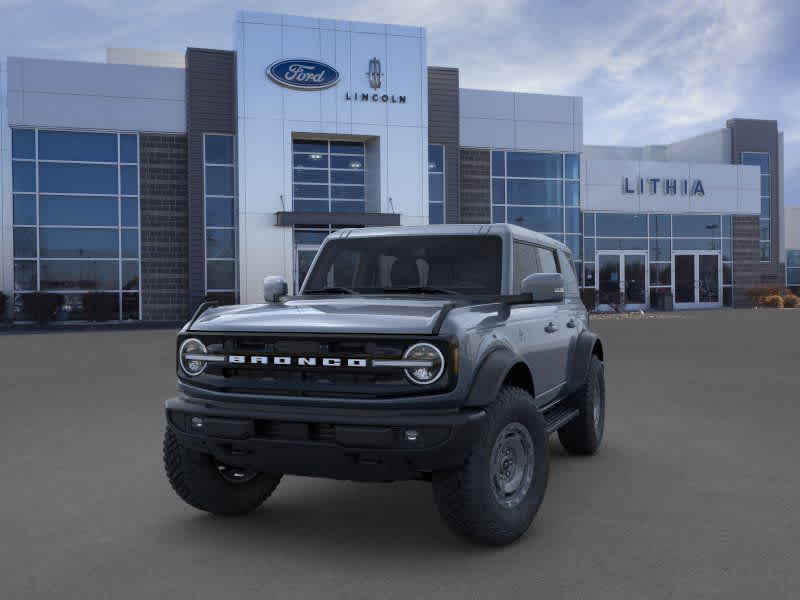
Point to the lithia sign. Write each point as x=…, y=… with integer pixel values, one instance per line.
x=306, y=74
x=667, y=186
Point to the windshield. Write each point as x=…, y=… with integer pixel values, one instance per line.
x=442, y=264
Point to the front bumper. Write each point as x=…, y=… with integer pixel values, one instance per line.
x=362, y=445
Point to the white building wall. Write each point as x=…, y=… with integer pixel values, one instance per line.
x=269, y=115
x=81, y=95
x=791, y=228
x=713, y=147
x=147, y=58
x=6, y=205
x=490, y=119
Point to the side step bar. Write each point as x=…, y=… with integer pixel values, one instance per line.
x=558, y=416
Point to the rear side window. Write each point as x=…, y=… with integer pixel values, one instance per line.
x=547, y=261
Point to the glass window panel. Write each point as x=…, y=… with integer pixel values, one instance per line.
x=498, y=191
x=793, y=258
x=547, y=260
x=572, y=190
x=793, y=277
x=24, y=209
x=219, y=212
x=130, y=243
x=347, y=192
x=543, y=219
x=588, y=274
x=621, y=244
x=219, y=181
x=25, y=275
x=765, y=208
x=221, y=275
x=727, y=226
x=77, y=210
x=527, y=191
x=130, y=212
x=765, y=185
x=660, y=226
x=129, y=183
x=435, y=158
x=128, y=148
x=219, y=149
x=660, y=274
x=312, y=175
x=314, y=238
x=573, y=166
x=23, y=143
x=130, y=307
x=574, y=243
x=436, y=187
x=315, y=160
x=77, y=179
x=358, y=177
x=498, y=214
x=766, y=251
x=727, y=273
x=23, y=176
x=588, y=249
x=347, y=148
x=130, y=274
x=343, y=162
x=79, y=275
x=311, y=205
x=220, y=243
x=498, y=163
x=310, y=191
x=759, y=159
x=25, y=242
x=660, y=249
x=77, y=145
x=763, y=229
x=696, y=225
x=695, y=244
x=348, y=206
x=588, y=224
x=436, y=213
x=56, y=242
x=310, y=146
x=572, y=220
x=625, y=225
x=532, y=164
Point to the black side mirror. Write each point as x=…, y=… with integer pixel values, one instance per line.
x=274, y=288
x=544, y=287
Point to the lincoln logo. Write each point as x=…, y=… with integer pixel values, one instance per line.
x=374, y=74
x=300, y=361
x=301, y=74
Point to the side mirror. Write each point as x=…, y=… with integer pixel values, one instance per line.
x=274, y=288
x=544, y=287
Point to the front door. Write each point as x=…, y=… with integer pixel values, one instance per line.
x=622, y=280
x=697, y=279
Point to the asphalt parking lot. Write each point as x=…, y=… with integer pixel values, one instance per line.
x=695, y=494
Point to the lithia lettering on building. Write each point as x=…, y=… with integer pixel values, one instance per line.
x=668, y=186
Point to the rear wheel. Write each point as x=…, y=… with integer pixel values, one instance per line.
x=493, y=498
x=208, y=485
x=584, y=433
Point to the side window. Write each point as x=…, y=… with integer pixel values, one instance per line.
x=570, y=279
x=547, y=260
x=526, y=261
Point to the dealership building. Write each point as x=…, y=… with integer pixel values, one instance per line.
x=166, y=179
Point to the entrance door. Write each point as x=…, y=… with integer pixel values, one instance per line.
x=697, y=279
x=622, y=280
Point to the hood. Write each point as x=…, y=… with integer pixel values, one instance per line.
x=354, y=314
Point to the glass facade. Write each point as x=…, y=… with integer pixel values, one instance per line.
x=221, y=223
x=793, y=268
x=761, y=160
x=540, y=191
x=435, y=184
x=328, y=176
x=76, y=219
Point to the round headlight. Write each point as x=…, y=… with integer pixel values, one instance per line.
x=431, y=363
x=190, y=357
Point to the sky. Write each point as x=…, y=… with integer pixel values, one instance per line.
x=649, y=72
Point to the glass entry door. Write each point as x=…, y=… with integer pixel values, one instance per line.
x=622, y=280
x=697, y=279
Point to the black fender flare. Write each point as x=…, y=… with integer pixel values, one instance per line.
x=490, y=376
x=584, y=349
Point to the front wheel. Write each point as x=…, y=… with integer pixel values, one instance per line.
x=493, y=497
x=211, y=486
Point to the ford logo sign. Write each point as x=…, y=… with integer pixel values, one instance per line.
x=303, y=74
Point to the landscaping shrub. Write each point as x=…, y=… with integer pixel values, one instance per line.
x=41, y=306
x=790, y=301
x=99, y=306
x=773, y=301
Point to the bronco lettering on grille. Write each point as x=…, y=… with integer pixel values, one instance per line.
x=300, y=361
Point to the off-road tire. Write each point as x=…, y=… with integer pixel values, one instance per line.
x=195, y=477
x=465, y=495
x=582, y=435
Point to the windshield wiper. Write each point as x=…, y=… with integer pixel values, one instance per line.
x=421, y=289
x=332, y=290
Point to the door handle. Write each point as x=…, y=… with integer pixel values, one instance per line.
x=571, y=323
x=551, y=327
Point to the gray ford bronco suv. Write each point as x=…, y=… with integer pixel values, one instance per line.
x=444, y=353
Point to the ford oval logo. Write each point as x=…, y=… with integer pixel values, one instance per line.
x=303, y=74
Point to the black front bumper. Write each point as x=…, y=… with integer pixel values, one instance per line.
x=362, y=445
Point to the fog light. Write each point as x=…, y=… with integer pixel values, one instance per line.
x=411, y=435
x=197, y=422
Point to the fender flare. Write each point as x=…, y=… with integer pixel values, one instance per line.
x=584, y=349
x=490, y=376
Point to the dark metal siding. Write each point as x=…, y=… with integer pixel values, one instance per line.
x=210, y=108
x=746, y=254
x=475, y=199
x=443, y=114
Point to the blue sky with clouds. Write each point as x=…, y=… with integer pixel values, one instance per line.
x=649, y=72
